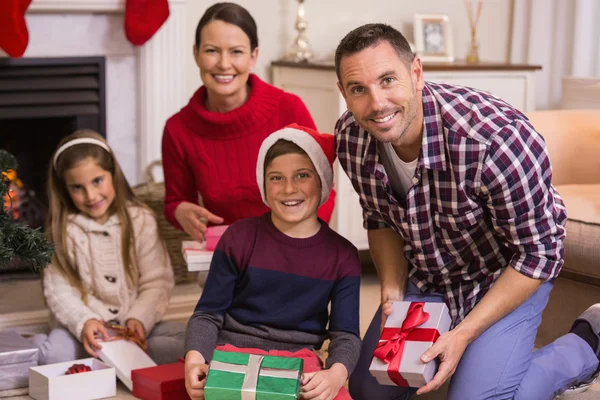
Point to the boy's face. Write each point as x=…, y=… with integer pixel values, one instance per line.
x=293, y=191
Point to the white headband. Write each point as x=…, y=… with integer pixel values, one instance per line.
x=75, y=142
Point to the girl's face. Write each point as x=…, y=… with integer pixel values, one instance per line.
x=91, y=189
x=293, y=191
x=225, y=59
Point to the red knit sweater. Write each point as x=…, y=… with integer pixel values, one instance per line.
x=214, y=154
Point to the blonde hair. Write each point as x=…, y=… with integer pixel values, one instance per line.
x=61, y=205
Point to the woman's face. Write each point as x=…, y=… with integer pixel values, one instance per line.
x=225, y=59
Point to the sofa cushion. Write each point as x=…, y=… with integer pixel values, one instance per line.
x=582, y=245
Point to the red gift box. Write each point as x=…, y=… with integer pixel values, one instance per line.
x=163, y=382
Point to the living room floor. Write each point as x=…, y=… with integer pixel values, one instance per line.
x=25, y=295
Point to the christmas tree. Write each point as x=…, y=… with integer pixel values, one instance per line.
x=18, y=241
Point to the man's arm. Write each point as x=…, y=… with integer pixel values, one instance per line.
x=529, y=217
x=387, y=251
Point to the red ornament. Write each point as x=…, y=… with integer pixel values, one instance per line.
x=143, y=18
x=14, y=36
x=77, y=369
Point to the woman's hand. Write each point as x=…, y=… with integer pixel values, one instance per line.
x=91, y=328
x=325, y=384
x=196, y=371
x=193, y=219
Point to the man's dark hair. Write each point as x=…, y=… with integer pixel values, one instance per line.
x=232, y=14
x=370, y=35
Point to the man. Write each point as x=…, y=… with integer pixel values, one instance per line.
x=456, y=191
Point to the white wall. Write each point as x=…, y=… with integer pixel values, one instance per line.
x=330, y=20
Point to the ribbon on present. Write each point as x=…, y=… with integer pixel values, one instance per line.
x=251, y=371
x=391, y=345
x=122, y=332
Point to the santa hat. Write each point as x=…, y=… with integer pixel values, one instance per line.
x=318, y=146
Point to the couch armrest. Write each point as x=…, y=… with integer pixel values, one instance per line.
x=573, y=141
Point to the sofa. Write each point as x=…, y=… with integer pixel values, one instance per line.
x=573, y=141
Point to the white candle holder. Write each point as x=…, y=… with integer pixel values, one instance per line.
x=300, y=50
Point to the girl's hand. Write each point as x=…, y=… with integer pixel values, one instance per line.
x=196, y=371
x=136, y=326
x=91, y=329
x=325, y=384
x=192, y=219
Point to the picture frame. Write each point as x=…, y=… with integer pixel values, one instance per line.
x=433, y=38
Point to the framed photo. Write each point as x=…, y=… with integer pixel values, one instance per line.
x=433, y=38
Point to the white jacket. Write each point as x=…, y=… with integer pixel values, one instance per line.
x=95, y=251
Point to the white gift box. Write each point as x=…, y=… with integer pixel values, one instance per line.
x=49, y=382
x=124, y=356
x=196, y=256
x=412, y=371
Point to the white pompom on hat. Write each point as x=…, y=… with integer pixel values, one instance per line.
x=318, y=146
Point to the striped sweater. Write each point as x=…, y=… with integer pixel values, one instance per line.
x=269, y=291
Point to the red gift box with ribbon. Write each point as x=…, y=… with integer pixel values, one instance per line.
x=163, y=382
x=409, y=331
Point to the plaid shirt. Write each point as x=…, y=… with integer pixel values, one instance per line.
x=481, y=197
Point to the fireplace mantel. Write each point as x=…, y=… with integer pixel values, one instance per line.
x=160, y=68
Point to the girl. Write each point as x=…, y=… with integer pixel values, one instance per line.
x=110, y=263
x=273, y=276
x=210, y=147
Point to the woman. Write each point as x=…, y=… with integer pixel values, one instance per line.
x=210, y=147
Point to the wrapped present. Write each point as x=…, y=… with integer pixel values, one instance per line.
x=163, y=382
x=234, y=376
x=409, y=331
x=52, y=382
x=124, y=356
x=196, y=256
x=213, y=235
x=17, y=354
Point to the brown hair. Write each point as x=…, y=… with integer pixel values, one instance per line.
x=370, y=35
x=232, y=14
x=61, y=206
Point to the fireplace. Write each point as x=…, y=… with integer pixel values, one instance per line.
x=42, y=100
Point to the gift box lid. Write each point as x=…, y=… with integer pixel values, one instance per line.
x=124, y=356
x=162, y=378
x=15, y=349
x=230, y=373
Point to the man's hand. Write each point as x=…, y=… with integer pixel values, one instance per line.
x=449, y=348
x=388, y=296
x=325, y=384
x=196, y=371
x=137, y=327
x=193, y=219
x=91, y=329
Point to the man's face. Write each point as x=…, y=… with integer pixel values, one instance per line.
x=383, y=93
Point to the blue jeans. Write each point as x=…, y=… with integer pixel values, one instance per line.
x=499, y=364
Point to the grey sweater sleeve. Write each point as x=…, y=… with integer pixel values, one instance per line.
x=202, y=333
x=344, y=348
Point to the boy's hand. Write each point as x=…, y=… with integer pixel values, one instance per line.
x=325, y=384
x=91, y=329
x=137, y=327
x=196, y=371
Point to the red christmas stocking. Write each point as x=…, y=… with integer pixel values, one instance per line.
x=143, y=18
x=13, y=29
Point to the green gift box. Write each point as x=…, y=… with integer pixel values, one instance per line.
x=241, y=376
